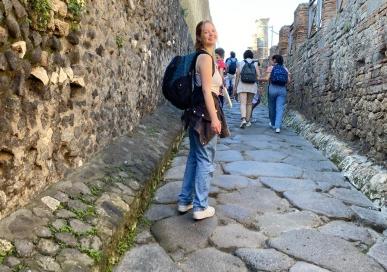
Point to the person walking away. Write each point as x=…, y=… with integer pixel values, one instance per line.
x=219, y=54
x=245, y=86
x=278, y=76
x=204, y=120
x=231, y=67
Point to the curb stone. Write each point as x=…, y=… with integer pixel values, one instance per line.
x=364, y=174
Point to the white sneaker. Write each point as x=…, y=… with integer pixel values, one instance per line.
x=277, y=130
x=184, y=208
x=208, y=212
x=270, y=125
x=243, y=123
x=248, y=124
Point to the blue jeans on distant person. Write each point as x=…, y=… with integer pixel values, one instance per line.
x=276, y=101
x=198, y=172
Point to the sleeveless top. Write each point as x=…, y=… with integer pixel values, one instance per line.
x=197, y=94
x=216, y=83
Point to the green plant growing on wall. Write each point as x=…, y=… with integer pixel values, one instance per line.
x=41, y=9
x=76, y=8
x=347, y=27
x=119, y=41
x=95, y=254
x=184, y=12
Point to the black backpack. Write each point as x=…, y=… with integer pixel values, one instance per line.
x=232, y=66
x=178, y=80
x=248, y=73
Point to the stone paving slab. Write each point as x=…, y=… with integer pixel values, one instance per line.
x=372, y=218
x=254, y=145
x=304, y=154
x=228, y=156
x=379, y=252
x=183, y=233
x=237, y=237
x=334, y=178
x=243, y=215
x=253, y=169
x=178, y=161
x=147, y=258
x=324, y=250
x=168, y=193
x=175, y=173
x=222, y=147
x=319, y=203
x=264, y=259
x=157, y=212
x=306, y=267
x=272, y=224
x=211, y=260
x=265, y=155
x=322, y=166
x=256, y=198
x=351, y=197
x=347, y=231
x=289, y=184
x=231, y=182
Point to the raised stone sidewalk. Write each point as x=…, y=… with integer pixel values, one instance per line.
x=84, y=222
x=280, y=206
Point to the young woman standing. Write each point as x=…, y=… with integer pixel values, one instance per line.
x=205, y=120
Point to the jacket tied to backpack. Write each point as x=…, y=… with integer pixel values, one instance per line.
x=199, y=119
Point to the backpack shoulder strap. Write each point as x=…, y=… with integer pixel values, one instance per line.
x=205, y=52
x=248, y=63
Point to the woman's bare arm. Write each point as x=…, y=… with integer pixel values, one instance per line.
x=205, y=69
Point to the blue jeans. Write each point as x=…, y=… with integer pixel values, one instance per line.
x=276, y=101
x=198, y=172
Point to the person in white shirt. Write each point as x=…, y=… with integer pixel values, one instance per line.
x=247, y=76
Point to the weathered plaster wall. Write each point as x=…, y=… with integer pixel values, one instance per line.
x=194, y=11
x=79, y=84
x=340, y=73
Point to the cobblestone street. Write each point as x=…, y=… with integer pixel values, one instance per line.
x=280, y=206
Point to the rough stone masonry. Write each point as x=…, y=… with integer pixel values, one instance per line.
x=340, y=72
x=73, y=78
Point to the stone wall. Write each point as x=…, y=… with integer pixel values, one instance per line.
x=68, y=86
x=283, y=40
x=340, y=73
x=194, y=11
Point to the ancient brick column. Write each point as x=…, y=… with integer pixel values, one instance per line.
x=328, y=12
x=283, y=41
x=301, y=23
x=274, y=50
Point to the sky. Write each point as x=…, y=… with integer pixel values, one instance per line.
x=235, y=20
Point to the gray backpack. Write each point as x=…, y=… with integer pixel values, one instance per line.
x=248, y=73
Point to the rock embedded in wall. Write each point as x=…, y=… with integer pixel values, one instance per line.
x=70, y=84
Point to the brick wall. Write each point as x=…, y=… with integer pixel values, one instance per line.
x=340, y=73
